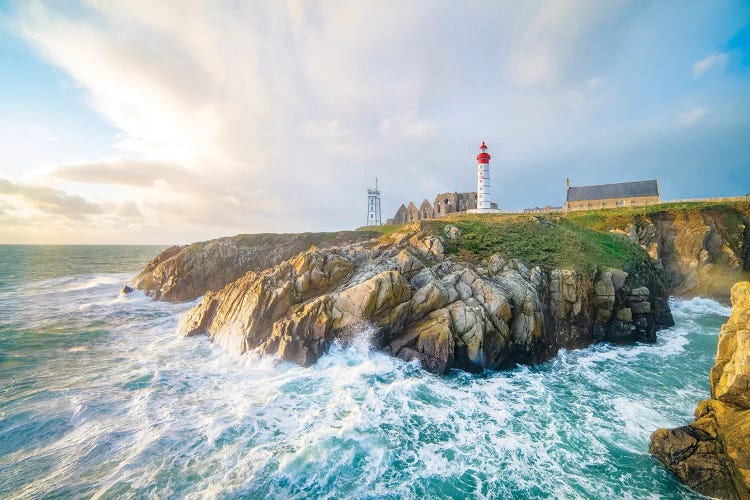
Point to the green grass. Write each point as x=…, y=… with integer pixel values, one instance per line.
x=384, y=230
x=617, y=218
x=547, y=241
x=575, y=240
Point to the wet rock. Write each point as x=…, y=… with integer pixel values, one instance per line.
x=640, y=307
x=624, y=314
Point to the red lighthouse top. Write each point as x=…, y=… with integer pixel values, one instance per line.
x=483, y=157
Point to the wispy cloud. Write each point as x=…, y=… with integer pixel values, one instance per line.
x=692, y=116
x=123, y=172
x=50, y=200
x=408, y=126
x=542, y=51
x=326, y=129
x=716, y=60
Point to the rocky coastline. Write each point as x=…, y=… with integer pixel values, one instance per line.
x=417, y=300
x=475, y=294
x=704, y=250
x=183, y=273
x=433, y=292
x=712, y=454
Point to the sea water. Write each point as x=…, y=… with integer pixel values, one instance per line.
x=99, y=396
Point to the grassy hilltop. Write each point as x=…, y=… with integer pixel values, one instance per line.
x=583, y=241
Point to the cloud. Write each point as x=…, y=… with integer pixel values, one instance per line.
x=716, y=60
x=327, y=129
x=248, y=116
x=692, y=116
x=50, y=200
x=409, y=127
x=129, y=210
x=43, y=214
x=595, y=83
x=550, y=40
x=124, y=172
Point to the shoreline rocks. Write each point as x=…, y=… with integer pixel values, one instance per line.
x=183, y=273
x=423, y=305
x=712, y=454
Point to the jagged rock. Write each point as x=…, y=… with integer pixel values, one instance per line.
x=435, y=345
x=703, y=252
x=730, y=376
x=419, y=305
x=712, y=454
x=640, y=307
x=182, y=273
x=452, y=232
x=619, y=278
x=624, y=314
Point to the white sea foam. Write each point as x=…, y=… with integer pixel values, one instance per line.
x=700, y=306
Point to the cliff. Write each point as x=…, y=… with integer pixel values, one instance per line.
x=482, y=292
x=712, y=454
x=704, y=248
x=182, y=273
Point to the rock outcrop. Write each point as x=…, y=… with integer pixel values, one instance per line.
x=703, y=251
x=420, y=304
x=712, y=454
x=182, y=273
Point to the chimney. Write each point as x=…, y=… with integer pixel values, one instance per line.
x=567, y=184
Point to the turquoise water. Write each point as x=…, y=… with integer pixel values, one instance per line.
x=100, y=397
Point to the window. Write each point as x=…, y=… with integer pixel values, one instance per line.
x=581, y=206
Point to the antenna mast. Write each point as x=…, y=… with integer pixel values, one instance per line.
x=373, y=206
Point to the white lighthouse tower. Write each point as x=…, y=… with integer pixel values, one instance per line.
x=373, y=206
x=484, y=185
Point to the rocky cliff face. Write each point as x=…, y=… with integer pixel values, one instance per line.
x=703, y=251
x=421, y=305
x=183, y=273
x=712, y=454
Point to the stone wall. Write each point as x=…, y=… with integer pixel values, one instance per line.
x=572, y=206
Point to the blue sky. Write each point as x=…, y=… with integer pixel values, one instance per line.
x=174, y=121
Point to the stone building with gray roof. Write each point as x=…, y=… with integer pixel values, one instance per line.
x=623, y=194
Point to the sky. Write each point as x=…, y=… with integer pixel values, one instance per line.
x=174, y=121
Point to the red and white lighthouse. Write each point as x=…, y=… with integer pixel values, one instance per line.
x=484, y=186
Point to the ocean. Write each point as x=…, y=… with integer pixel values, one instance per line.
x=100, y=397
